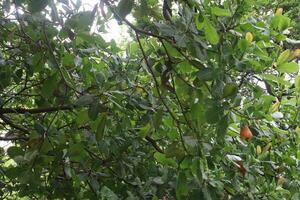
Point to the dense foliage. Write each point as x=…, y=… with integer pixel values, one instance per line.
x=158, y=116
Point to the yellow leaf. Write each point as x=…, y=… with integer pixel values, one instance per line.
x=297, y=52
x=267, y=147
x=294, y=54
x=249, y=37
x=275, y=106
x=258, y=149
x=279, y=12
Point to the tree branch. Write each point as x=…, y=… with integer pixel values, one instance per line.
x=34, y=110
x=158, y=91
x=13, y=138
x=154, y=144
x=13, y=125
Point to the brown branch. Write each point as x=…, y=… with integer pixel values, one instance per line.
x=56, y=62
x=243, y=79
x=34, y=110
x=159, y=93
x=154, y=144
x=13, y=138
x=12, y=124
x=104, y=162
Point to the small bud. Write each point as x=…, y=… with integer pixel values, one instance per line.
x=249, y=37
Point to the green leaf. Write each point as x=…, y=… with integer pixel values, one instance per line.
x=39, y=128
x=67, y=77
x=276, y=79
x=211, y=34
x=174, y=150
x=101, y=128
x=297, y=82
x=100, y=78
x=185, y=67
x=145, y=130
x=31, y=155
x=221, y=130
x=80, y=21
x=77, y=152
x=166, y=29
x=124, y=8
x=108, y=194
x=206, y=193
x=181, y=186
x=94, y=110
x=206, y=74
x=67, y=170
x=37, y=62
x=49, y=86
x=37, y=5
x=290, y=67
x=283, y=57
x=15, y=151
x=164, y=160
x=85, y=100
x=68, y=60
x=230, y=89
x=15, y=172
x=280, y=22
x=197, y=112
x=243, y=44
x=82, y=117
x=213, y=115
x=220, y=12
x=199, y=22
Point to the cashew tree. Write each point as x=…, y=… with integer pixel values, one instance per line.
x=200, y=101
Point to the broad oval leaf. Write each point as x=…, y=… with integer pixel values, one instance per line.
x=297, y=82
x=281, y=22
x=283, y=57
x=101, y=128
x=85, y=100
x=35, y=6
x=290, y=67
x=230, y=89
x=124, y=8
x=211, y=33
x=206, y=74
x=221, y=12
x=164, y=160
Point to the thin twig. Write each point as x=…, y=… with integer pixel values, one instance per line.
x=158, y=92
x=154, y=144
x=137, y=30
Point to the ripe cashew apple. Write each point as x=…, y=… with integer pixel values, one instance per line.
x=245, y=133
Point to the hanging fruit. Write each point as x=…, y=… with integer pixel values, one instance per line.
x=245, y=133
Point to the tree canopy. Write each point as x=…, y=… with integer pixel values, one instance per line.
x=200, y=102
